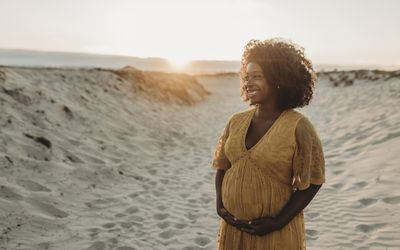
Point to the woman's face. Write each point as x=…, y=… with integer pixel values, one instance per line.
x=258, y=90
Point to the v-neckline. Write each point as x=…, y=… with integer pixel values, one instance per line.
x=246, y=129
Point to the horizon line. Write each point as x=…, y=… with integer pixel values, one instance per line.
x=189, y=60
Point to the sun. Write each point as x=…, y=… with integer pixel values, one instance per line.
x=178, y=62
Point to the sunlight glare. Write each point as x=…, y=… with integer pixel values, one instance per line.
x=178, y=62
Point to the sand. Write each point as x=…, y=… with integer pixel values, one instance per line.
x=89, y=160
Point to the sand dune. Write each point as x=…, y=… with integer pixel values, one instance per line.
x=99, y=159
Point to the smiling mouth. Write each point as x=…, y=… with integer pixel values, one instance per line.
x=252, y=93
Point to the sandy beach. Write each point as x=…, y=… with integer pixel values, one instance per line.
x=121, y=159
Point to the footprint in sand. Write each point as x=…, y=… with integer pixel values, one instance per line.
x=193, y=201
x=101, y=203
x=163, y=224
x=8, y=193
x=2, y=76
x=180, y=225
x=367, y=201
x=108, y=225
x=135, y=219
x=370, y=228
x=337, y=172
x=312, y=234
x=202, y=241
x=361, y=184
x=6, y=161
x=184, y=195
x=160, y=216
x=98, y=245
x=312, y=215
x=190, y=248
x=129, y=224
x=125, y=248
x=48, y=209
x=32, y=186
x=205, y=199
x=169, y=233
x=162, y=207
x=157, y=193
x=197, y=185
x=338, y=185
x=191, y=216
x=132, y=210
x=17, y=95
x=73, y=158
x=44, y=245
x=152, y=171
x=394, y=200
x=164, y=181
x=93, y=232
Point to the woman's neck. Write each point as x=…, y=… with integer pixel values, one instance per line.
x=267, y=112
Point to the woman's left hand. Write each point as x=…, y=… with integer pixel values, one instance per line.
x=261, y=226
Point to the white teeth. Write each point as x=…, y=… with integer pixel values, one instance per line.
x=252, y=92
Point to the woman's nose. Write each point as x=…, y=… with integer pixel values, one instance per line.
x=248, y=85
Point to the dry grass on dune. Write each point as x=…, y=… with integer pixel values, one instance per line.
x=168, y=87
x=347, y=78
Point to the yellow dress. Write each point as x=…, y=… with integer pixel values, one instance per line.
x=259, y=181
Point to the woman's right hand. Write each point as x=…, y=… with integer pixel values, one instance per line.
x=230, y=219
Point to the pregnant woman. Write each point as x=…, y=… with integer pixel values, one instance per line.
x=269, y=158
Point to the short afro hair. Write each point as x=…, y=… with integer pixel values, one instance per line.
x=283, y=63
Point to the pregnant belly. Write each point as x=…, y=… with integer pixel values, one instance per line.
x=249, y=194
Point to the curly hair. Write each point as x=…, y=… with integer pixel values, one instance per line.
x=283, y=63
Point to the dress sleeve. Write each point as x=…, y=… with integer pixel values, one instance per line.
x=220, y=161
x=308, y=160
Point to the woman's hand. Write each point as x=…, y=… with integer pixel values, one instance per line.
x=298, y=201
x=261, y=226
x=230, y=219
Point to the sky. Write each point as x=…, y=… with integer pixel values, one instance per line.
x=345, y=32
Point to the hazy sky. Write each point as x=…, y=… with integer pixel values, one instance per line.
x=332, y=32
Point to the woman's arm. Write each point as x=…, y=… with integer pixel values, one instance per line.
x=218, y=183
x=297, y=202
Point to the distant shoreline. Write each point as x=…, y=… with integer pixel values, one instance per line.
x=32, y=58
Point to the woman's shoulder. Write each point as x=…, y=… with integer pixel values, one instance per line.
x=296, y=115
x=238, y=116
x=243, y=112
x=306, y=127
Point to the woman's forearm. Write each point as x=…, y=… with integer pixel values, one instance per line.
x=218, y=183
x=297, y=202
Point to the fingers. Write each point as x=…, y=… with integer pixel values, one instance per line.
x=248, y=230
x=256, y=222
x=262, y=220
x=241, y=223
x=229, y=218
x=252, y=229
x=236, y=223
